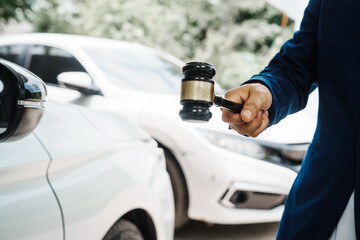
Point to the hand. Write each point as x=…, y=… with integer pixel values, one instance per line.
x=254, y=117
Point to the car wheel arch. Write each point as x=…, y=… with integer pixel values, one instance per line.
x=180, y=187
x=141, y=219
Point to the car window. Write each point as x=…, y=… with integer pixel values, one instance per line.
x=48, y=62
x=13, y=53
x=137, y=69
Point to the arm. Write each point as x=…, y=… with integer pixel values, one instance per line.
x=291, y=74
x=285, y=83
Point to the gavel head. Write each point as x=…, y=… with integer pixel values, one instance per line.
x=197, y=92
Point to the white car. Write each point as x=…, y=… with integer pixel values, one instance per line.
x=81, y=174
x=217, y=175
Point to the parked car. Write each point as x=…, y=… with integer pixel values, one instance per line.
x=217, y=175
x=81, y=174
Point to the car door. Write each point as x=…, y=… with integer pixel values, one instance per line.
x=28, y=207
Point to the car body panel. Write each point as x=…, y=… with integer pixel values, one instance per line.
x=98, y=183
x=100, y=167
x=26, y=199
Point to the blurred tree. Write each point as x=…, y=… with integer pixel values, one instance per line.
x=55, y=16
x=236, y=36
x=14, y=9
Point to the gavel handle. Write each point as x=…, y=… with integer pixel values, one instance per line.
x=233, y=106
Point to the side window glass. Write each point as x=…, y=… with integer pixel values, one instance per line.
x=48, y=62
x=13, y=53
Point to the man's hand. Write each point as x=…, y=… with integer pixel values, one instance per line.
x=254, y=117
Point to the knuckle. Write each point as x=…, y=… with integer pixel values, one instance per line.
x=260, y=92
x=229, y=94
x=256, y=122
x=260, y=88
x=252, y=135
x=232, y=92
x=237, y=94
x=242, y=130
x=243, y=133
x=259, y=124
x=267, y=123
x=260, y=128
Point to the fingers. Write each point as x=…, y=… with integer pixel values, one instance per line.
x=262, y=127
x=255, y=97
x=231, y=117
x=253, y=119
x=253, y=128
x=245, y=128
x=256, y=101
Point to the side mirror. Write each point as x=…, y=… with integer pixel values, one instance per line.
x=79, y=81
x=22, y=97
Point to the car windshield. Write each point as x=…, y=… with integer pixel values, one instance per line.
x=136, y=69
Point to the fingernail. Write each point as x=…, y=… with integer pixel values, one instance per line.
x=247, y=114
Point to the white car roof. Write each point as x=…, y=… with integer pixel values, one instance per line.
x=68, y=39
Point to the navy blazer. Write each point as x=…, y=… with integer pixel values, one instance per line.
x=325, y=52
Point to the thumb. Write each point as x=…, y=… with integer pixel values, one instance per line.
x=249, y=111
x=252, y=106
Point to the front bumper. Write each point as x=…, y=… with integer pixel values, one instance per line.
x=253, y=196
x=214, y=175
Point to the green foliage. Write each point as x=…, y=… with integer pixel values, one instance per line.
x=236, y=36
x=55, y=16
x=13, y=9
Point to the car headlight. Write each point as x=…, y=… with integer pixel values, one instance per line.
x=238, y=144
x=284, y=154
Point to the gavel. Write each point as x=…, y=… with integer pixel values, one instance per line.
x=197, y=93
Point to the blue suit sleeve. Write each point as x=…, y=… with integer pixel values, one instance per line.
x=291, y=74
